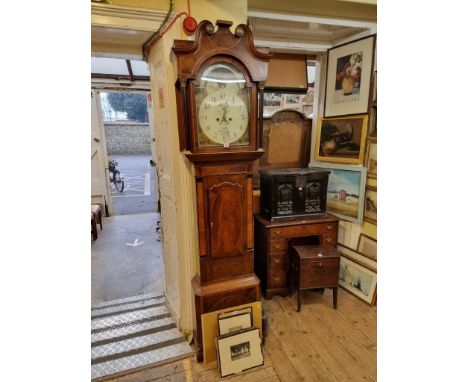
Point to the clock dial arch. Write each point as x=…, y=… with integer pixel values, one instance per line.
x=223, y=107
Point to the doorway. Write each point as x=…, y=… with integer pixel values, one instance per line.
x=127, y=257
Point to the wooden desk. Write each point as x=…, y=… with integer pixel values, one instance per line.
x=313, y=267
x=272, y=246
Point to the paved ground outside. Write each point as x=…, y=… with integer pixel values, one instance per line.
x=139, y=194
x=126, y=259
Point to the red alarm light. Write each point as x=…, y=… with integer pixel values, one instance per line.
x=189, y=24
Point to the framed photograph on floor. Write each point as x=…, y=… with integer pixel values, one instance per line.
x=341, y=140
x=349, y=78
x=358, y=280
x=345, y=191
x=370, y=209
x=235, y=321
x=367, y=246
x=239, y=351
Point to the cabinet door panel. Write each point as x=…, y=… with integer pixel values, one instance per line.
x=226, y=212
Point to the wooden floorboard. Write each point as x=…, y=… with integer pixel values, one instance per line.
x=317, y=344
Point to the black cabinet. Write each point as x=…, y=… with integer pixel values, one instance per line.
x=293, y=193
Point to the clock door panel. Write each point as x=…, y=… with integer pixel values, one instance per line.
x=226, y=216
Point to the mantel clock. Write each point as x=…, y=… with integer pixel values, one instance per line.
x=219, y=93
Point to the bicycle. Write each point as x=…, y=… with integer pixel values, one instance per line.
x=114, y=175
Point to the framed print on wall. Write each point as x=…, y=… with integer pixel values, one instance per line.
x=349, y=77
x=341, y=140
x=345, y=191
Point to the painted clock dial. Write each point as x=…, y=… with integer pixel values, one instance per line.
x=223, y=107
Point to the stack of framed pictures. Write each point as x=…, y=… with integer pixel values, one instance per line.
x=358, y=269
x=239, y=343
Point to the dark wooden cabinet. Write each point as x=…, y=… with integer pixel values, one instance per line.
x=273, y=242
x=293, y=193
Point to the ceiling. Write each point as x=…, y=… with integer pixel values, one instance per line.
x=119, y=31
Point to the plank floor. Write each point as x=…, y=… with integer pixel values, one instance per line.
x=317, y=344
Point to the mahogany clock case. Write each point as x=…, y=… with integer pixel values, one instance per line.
x=223, y=171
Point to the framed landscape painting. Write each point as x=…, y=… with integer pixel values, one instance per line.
x=358, y=280
x=341, y=140
x=349, y=77
x=345, y=191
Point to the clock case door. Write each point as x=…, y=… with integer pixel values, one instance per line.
x=252, y=107
x=224, y=204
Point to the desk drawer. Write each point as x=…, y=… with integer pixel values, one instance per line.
x=328, y=229
x=277, y=262
x=317, y=274
x=276, y=278
x=277, y=245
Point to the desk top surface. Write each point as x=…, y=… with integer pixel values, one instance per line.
x=284, y=223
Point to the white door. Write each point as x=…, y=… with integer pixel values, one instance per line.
x=100, y=185
x=154, y=154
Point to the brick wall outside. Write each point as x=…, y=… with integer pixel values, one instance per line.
x=127, y=138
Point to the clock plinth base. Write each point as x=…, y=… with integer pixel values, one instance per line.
x=221, y=295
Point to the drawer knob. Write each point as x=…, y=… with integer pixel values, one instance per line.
x=320, y=264
x=277, y=233
x=276, y=278
x=328, y=240
x=277, y=261
x=277, y=246
x=330, y=226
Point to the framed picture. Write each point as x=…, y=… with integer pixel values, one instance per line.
x=367, y=246
x=349, y=77
x=345, y=192
x=272, y=102
x=370, y=210
x=293, y=101
x=239, y=351
x=358, y=280
x=357, y=257
x=371, y=157
x=235, y=321
x=341, y=140
x=210, y=327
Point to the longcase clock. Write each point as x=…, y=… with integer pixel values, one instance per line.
x=219, y=93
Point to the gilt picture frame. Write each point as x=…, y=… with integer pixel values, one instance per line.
x=371, y=157
x=370, y=209
x=345, y=190
x=341, y=139
x=349, y=77
x=239, y=351
x=367, y=246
